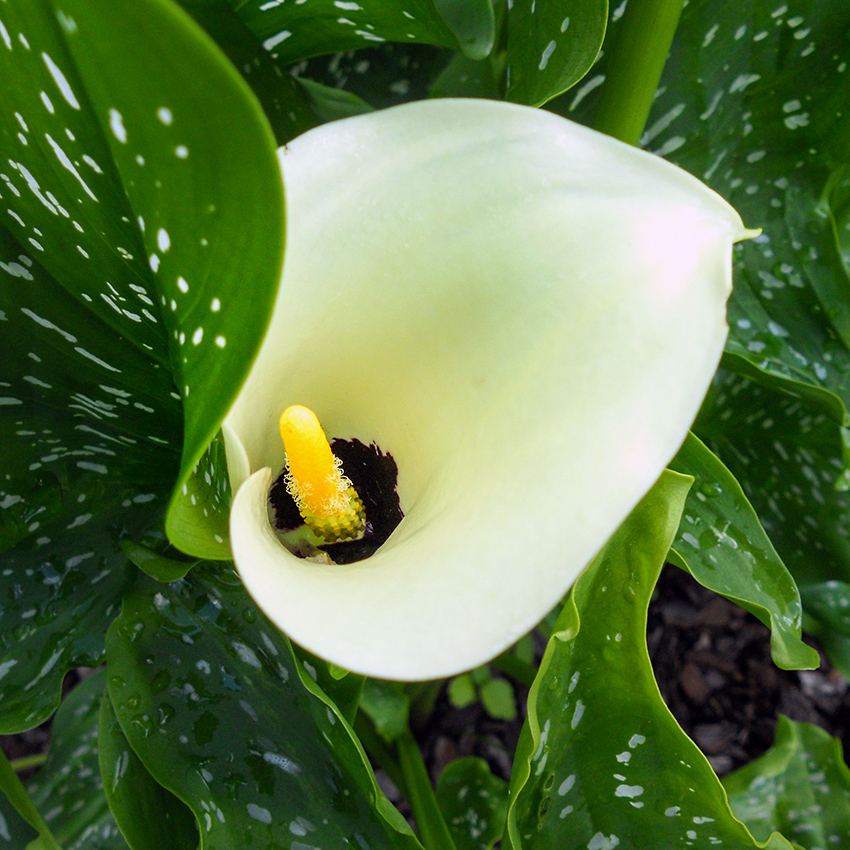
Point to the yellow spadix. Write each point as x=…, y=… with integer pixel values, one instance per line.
x=328, y=504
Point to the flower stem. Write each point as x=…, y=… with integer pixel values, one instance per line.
x=636, y=60
x=433, y=831
x=17, y=795
x=27, y=762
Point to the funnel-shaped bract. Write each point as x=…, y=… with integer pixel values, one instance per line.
x=526, y=315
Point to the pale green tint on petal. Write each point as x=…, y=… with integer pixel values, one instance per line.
x=526, y=315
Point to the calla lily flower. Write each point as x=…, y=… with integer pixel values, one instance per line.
x=525, y=315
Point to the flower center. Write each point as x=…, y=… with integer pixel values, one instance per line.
x=328, y=504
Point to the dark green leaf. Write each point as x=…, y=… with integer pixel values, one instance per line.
x=800, y=787
x=461, y=691
x=753, y=101
x=283, y=102
x=331, y=104
x=601, y=762
x=201, y=178
x=68, y=790
x=295, y=31
x=788, y=457
x=551, y=46
x=150, y=818
x=381, y=76
x=474, y=803
x=722, y=544
x=223, y=715
x=155, y=565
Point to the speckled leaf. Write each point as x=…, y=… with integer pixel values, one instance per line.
x=722, y=544
x=601, y=762
x=68, y=790
x=199, y=168
x=382, y=76
x=801, y=787
x=292, y=32
x=788, y=456
x=215, y=704
x=753, y=100
x=85, y=458
x=149, y=817
x=551, y=46
x=473, y=802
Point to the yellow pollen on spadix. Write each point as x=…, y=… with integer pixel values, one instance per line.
x=327, y=502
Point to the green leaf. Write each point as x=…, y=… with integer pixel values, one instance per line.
x=801, y=787
x=600, y=766
x=461, y=691
x=551, y=46
x=331, y=104
x=722, y=544
x=474, y=803
x=155, y=565
x=149, y=816
x=284, y=104
x=731, y=110
x=788, y=456
x=292, y=32
x=380, y=76
x=206, y=195
x=498, y=699
x=68, y=790
x=388, y=707
x=223, y=715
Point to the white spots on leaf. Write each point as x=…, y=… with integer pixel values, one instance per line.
x=141, y=223
x=742, y=81
x=600, y=841
x=629, y=791
x=284, y=763
x=369, y=36
x=547, y=55
x=92, y=467
x=259, y=813
x=116, y=124
x=740, y=32
x=800, y=119
x=165, y=115
x=48, y=103
x=215, y=306
x=182, y=285
x=16, y=270
x=672, y=812
x=163, y=240
x=48, y=324
x=577, y=714
x=220, y=341
x=275, y=40
x=791, y=106
x=153, y=262
x=672, y=144
x=94, y=359
x=636, y=740
x=21, y=121
x=566, y=786
x=625, y=757
x=662, y=123
x=61, y=82
x=587, y=88
x=4, y=33
x=181, y=151
x=66, y=162
x=197, y=336
x=564, y=24
x=709, y=36
x=6, y=401
x=348, y=6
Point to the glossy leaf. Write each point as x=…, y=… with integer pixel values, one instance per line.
x=82, y=462
x=223, y=715
x=474, y=803
x=801, y=787
x=788, y=458
x=722, y=544
x=753, y=101
x=292, y=32
x=600, y=766
x=551, y=46
x=68, y=790
x=150, y=817
x=380, y=76
x=209, y=197
x=284, y=104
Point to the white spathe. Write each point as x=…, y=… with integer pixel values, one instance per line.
x=526, y=315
